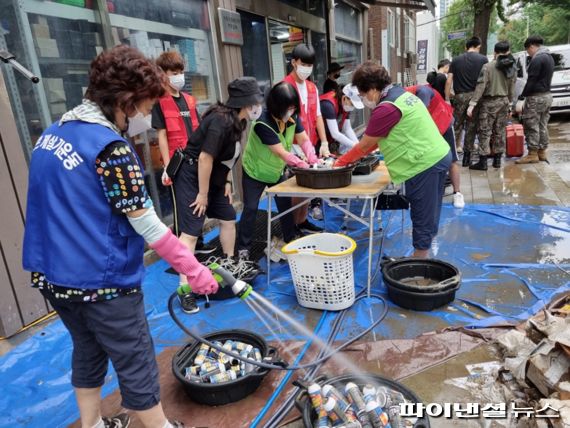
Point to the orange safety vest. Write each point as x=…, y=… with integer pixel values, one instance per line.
x=331, y=97
x=309, y=117
x=175, y=127
x=440, y=111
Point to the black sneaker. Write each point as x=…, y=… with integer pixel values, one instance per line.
x=122, y=420
x=188, y=303
x=203, y=248
x=309, y=228
x=177, y=424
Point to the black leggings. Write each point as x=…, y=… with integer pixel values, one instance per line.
x=252, y=191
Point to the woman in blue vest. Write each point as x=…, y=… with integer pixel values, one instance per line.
x=268, y=152
x=413, y=148
x=88, y=217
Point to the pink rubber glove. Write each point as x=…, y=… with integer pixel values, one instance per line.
x=309, y=151
x=293, y=160
x=183, y=261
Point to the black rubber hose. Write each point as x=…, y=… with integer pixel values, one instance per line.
x=289, y=402
x=275, y=366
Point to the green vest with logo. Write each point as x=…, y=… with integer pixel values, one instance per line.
x=414, y=144
x=259, y=162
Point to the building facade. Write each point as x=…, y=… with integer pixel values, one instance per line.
x=219, y=40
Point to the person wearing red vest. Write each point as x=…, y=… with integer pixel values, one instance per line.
x=335, y=108
x=175, y=118
x=442, y=114
x=302, y=60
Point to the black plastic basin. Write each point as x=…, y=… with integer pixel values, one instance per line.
x=421, y=284
x=305, y=406
x=227, y=392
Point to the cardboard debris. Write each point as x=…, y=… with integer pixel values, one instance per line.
x=548, y=370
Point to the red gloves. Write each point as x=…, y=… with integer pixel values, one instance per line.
x=350, y=157
x=294, y=161
x=183, y=261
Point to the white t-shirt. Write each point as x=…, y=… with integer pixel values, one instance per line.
x=304, y=94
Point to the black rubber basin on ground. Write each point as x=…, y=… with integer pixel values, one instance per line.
x=304, y=405
x=421, y=284
x=227, y=392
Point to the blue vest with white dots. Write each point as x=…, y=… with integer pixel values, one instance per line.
x=72, y=236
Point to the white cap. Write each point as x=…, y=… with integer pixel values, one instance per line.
x=352, y=93
x=326, y=390
x=315, y=388
x=329, y=405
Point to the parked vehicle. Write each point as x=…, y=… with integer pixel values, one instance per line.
x=560, y=80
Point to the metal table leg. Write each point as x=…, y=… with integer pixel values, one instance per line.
x=370, y=242
x=269, y=209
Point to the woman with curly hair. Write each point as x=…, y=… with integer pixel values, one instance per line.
x=88, y=217
x=414, y=150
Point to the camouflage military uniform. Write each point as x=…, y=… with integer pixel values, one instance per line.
x=535, y=120
x=460, y=105
x=492, y=122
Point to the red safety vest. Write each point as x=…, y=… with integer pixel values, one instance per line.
x=308, y=118
x=331, y=97
x=175, y=127
x=440, y=111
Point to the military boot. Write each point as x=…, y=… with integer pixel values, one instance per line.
x=481, y=165
x=466, y=158
x=532, y=157
x=542, y=155
x=497, y=160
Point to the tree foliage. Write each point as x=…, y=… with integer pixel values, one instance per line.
x=550, y=20
x=461, y=16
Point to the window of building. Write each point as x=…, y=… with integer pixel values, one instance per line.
x=58, y=41
x=397, y=26
x=347, y=21
x=314, y=7
x=283, y=38
x=254, y=52
x=391, y=28
x=319, y=42
x=409, y=34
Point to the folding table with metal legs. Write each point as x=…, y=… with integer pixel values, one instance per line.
x=368, y=190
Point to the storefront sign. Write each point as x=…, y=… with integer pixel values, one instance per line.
x=422, y=55
x=230, y=27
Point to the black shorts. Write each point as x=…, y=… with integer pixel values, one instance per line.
x=219, y=206
x=114, y=329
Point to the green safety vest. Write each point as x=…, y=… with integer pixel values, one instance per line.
x=259, y=162
x=414, y=144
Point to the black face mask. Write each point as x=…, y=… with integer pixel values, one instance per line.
x=337, y=75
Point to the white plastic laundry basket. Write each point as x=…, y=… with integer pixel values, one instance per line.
x=322, y=270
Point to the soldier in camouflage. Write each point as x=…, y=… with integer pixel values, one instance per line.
x=537, y=100
x=493, y=95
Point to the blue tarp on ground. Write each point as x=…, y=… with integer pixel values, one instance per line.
x=513, y=259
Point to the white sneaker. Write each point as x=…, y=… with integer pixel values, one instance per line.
x=458, y=200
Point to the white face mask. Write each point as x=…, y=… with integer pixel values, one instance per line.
x=288, y=115
x=139, y=124
x=254, y=112
x=304, y=72
x=177, y=81
x=347, y=107
x=369, y=103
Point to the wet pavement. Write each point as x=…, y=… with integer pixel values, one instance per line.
x=534, y=184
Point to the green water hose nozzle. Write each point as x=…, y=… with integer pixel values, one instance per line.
x=242, y=289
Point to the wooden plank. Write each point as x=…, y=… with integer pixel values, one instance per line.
x=13, y=188
x=10, y=320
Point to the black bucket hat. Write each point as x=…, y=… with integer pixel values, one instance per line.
x=244, y=92
x=334, y=66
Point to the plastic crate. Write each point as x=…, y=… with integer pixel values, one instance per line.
x=322, y=270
